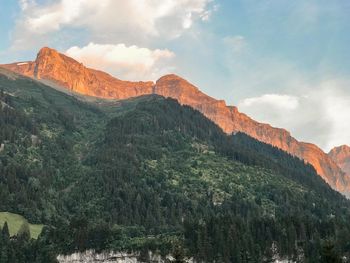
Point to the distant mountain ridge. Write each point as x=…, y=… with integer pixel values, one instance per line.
x=59, y=69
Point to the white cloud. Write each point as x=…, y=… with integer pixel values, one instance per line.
x=337, y=106
x=111, y=20
x=43, y=19
x=276, y=101
x=321, y=115
x=126, y=62
x=24, y=4
x=205, y=16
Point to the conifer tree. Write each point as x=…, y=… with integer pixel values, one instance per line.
x=24, y=232
x=5, y=231
x=329, y=253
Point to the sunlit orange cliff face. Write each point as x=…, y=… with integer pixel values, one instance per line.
x=57, y=69
x=341, y=156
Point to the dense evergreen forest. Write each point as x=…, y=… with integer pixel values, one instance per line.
x=150, y=174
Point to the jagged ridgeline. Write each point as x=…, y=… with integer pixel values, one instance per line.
x=148, y=174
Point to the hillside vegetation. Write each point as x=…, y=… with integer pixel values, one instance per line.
x=150, y=174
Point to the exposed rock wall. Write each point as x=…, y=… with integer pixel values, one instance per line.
x=90, y=256
x=65, y=71
x=341, y=156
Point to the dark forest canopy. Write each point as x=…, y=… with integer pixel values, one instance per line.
x=150, y=174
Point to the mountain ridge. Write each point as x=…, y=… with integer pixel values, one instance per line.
x=51, y=65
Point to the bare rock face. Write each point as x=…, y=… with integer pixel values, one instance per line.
x=66, y=72
x=341, y=156
x=90, y=256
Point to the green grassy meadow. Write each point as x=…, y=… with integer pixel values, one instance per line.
x=15, y=222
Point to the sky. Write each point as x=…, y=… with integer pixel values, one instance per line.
x=283, y=62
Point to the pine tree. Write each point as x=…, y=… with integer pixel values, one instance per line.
x=5, y=231
x=24, y=232
x=329, y=253
x=4, y=255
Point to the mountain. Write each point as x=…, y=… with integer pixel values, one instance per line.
x=149, y=174
x=341, y=156
x=55, y=69
x=66, y=72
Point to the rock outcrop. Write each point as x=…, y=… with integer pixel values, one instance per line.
x=66, y=72
x=341, y=156
x=90, y=256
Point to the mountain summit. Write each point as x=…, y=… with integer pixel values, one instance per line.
x=55, y=68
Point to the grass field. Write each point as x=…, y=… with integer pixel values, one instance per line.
x=15, y=222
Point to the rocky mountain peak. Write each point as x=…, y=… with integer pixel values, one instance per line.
x=51, y=65
x=178, y=88
x=340, y=150
x=47, y=52
x=176, y=82
x=171, y=77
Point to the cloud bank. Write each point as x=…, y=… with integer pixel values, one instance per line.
x=111, y=20
x=320, y=115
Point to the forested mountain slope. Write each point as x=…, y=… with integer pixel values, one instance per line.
x=59, y=70
x=150, y=174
